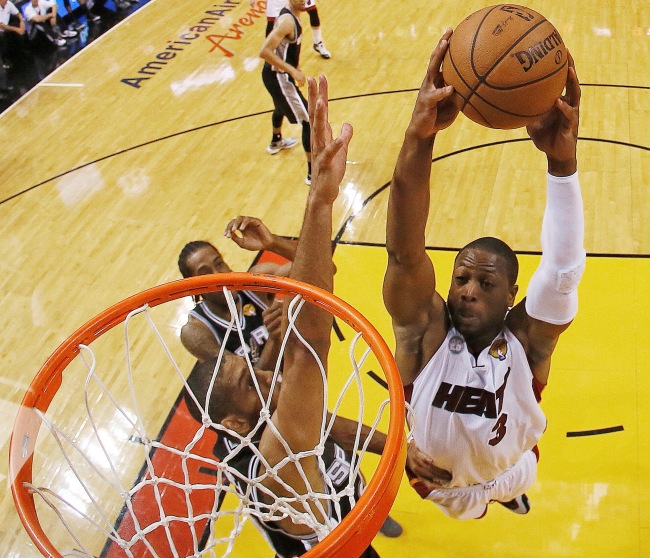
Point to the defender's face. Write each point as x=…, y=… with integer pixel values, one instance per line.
x=236, y=377
x=205, y=261
x=479, y=295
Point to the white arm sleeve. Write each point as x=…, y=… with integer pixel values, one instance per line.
x=552, y=296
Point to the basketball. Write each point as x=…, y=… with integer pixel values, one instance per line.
x=507, y=64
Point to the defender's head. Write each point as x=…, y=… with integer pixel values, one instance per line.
x=200, y=257
x=234, y=400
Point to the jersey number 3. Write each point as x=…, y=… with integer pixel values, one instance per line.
x=499, y=429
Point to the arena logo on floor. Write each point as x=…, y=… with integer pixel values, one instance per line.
x=210, y=18
x=235, y=31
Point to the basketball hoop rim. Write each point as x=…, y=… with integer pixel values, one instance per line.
x=351, y=537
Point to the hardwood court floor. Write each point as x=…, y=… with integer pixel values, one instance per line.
x=117, y=160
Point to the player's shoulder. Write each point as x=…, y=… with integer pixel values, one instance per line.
x=284, y=25
x=193, y=324
x=538, y=338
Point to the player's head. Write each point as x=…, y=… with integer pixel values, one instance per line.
x=297, y=5
x=234, y=401
x=200, y=257
x=483, y=286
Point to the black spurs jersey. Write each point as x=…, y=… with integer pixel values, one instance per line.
x=250, y=320
x=288, y=50
x=337, y=467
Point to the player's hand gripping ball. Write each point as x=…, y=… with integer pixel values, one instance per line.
x=507, y=64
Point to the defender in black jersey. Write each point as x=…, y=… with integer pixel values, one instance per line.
x=296, y=404
x=250, y=306
x=208, y=321
x=338, y=463
x=235, y=405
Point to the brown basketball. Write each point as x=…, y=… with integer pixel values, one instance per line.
x=507, y=64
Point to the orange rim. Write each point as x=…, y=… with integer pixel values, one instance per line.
x=352, y=536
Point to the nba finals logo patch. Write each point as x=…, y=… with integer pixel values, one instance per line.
x=499, y=349
x=248, y=310
x=456, y=344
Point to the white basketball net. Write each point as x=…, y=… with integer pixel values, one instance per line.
x=104, y=466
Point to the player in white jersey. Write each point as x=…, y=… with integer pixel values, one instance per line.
x=474, y=366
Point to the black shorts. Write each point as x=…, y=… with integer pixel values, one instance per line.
x=287, y=98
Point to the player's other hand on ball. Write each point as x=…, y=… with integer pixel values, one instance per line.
x=556, y=132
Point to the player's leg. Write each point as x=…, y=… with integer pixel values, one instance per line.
x=314, y=22
x=511, y=486
x=281, y=108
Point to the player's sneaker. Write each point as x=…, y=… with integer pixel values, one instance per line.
x=519, y=505
x=320, y=49
x=277, y=146
x=391, y=528
x=308, y=179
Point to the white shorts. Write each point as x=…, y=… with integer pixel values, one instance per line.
x=273, y=7
x=471, y=502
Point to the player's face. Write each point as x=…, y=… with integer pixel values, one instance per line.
x=237, y=378
x=479, y=295
x=206, y=261
x=297, y=5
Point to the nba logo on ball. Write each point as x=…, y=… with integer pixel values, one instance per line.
x=507, y=63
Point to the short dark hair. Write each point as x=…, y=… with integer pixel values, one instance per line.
x=198, y=382
x=187, y=251
x=500, y=248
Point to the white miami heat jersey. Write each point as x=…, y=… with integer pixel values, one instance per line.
x=476, y=417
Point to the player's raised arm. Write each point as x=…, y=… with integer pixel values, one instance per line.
x=552, y=298
x=409, y=284
x=301, y=406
